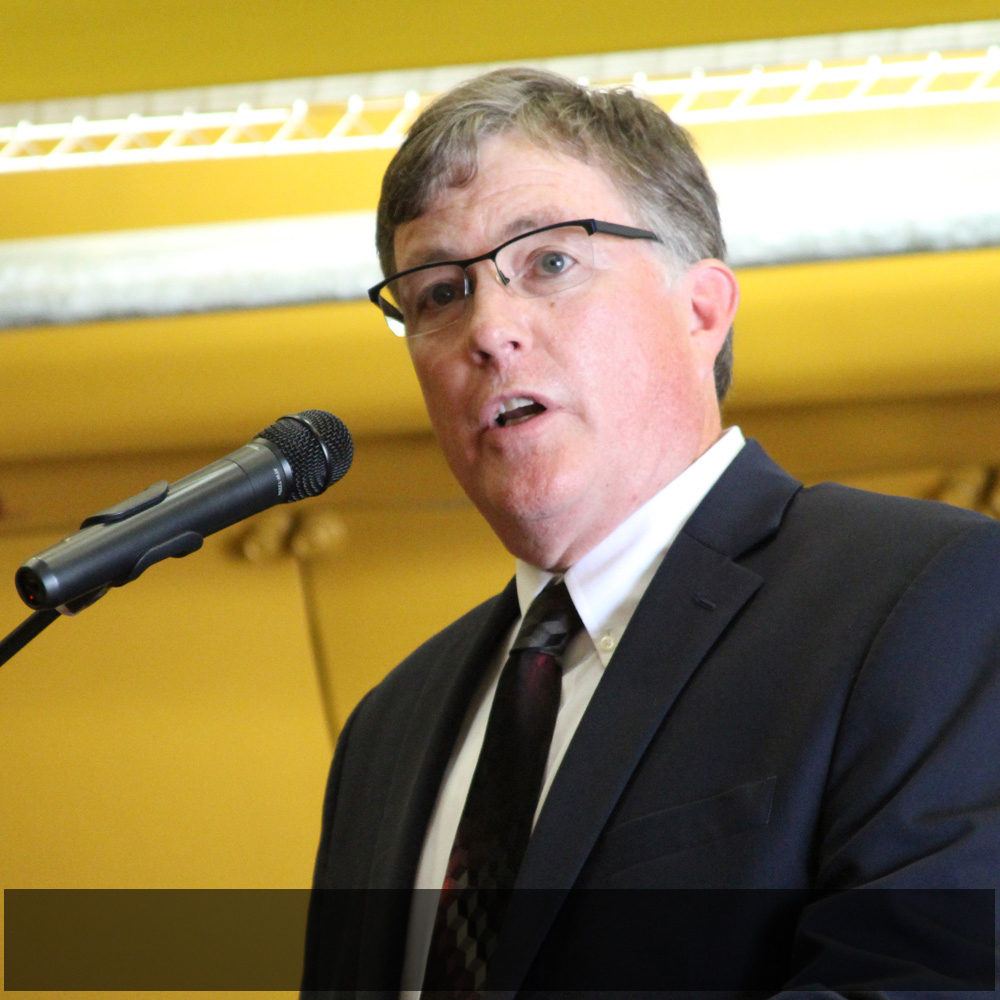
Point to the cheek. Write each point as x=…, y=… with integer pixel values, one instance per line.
x=445, y=399
x=436, y=377
x=642, y=370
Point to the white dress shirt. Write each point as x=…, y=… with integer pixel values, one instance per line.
x=606, y=586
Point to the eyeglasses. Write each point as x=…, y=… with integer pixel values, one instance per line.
x=546, y=261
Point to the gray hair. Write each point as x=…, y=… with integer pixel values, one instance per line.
x=649, y=158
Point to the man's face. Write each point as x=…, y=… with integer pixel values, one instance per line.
x=622, y=365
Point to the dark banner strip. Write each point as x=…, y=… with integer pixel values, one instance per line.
x=154, y=939
x=601, y=940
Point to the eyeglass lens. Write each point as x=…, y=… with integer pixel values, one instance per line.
x=533, y=266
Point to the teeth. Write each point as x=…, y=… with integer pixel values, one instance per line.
x=516, y=410
x=514, y=404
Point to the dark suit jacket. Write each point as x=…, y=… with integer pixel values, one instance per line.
x=788, y=778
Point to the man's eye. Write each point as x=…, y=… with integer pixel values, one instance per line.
x=440, y=295
x=552, y=263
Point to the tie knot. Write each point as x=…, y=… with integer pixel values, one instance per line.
x=550, y=622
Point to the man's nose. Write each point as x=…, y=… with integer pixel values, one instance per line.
x=497, y=319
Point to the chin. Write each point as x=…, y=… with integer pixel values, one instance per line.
x=523, y=512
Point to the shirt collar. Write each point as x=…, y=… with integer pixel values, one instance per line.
x=607, y=583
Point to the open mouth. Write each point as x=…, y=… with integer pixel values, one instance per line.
x=517, y=411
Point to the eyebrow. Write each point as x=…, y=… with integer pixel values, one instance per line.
x=441, y=253
x=525, y=223
x=437, y=254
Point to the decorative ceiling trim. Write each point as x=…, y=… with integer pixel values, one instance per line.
x=952, y=64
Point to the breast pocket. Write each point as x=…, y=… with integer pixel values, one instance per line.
x=679, y=828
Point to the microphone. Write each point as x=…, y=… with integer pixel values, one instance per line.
x=298, y=456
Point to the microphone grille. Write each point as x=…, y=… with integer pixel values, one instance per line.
x=317, y=447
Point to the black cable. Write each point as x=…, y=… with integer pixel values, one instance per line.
x=25, y=632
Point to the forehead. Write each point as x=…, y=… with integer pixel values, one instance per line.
x=518, y=186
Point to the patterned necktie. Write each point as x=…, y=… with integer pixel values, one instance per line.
x=503, y=797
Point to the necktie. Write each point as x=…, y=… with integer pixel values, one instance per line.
x=499, y=811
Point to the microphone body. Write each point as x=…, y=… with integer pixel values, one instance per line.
x=297, y=456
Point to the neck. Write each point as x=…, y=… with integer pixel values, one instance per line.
x=557, y=542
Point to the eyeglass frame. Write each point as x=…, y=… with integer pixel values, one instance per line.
x=590, y=226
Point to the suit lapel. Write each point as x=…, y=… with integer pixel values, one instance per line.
x=421, y=755
x=696, y=593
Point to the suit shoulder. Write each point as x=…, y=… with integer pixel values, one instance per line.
x=870, y=541
x=862, y=513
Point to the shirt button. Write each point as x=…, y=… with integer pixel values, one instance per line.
x=606, y=642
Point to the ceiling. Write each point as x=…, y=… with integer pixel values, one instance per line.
x=64, y=48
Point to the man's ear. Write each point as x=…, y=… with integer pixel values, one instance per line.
x=714, y=295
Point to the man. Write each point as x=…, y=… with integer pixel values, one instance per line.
x=770, y=759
